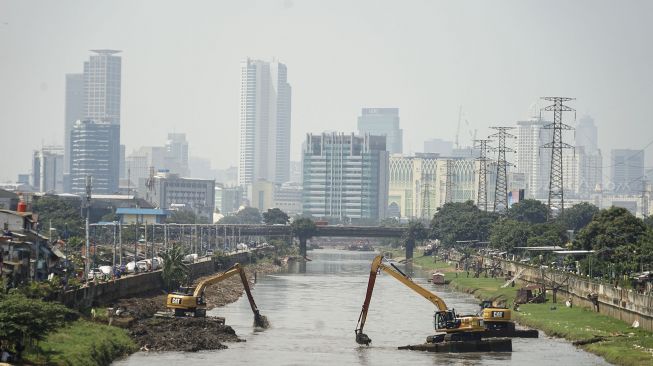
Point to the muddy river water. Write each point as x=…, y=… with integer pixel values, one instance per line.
x=313, y=308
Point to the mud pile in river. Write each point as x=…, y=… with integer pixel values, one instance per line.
x=182, y=334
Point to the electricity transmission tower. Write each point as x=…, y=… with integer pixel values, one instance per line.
x=448, y=191
x=481, y=199
x=556, y=182
x=501, y=186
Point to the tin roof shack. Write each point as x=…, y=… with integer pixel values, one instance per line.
x=26, y=252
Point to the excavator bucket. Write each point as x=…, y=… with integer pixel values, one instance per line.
x=261, y=321
x=362, y=338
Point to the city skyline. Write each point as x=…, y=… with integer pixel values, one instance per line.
x=196, y=88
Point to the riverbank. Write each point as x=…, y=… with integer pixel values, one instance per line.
x=86, y=342
x=83, y=343
x=609, y=338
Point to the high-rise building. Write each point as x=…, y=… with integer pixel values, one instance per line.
x=47, y=169
x=587, y=135
x=438, y=146
x=96, y=152
x=345, y=176
x=627, y=167
x=532, y=160
x=137, y=170
x=102, y=73
x=418, y=184
x=176, y=158
x=74, y=111
x=382, y=122
x=265, y=100
x=170, y=191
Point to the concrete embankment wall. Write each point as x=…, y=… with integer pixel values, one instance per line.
x=107, y=292
x=623, y=304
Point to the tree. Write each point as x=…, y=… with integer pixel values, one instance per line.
x=23, y=319
x=304, y=229
x=175, y=271
x=414, y=232
x=229, y=220
x=547, y=234
x=275, y=216
x=461, y=221
x=185, y=217
x=648, y=221
x=507, y=234
x=64, y=215
x=529, y=210
x=578, y=216
x=609, y=229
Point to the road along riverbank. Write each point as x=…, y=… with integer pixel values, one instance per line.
x=612, y=339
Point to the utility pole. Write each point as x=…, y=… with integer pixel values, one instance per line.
x=481, y=199
x=556, y=183
x=448, y=190
x=87, y=205
x=120, y=240
x=501, y=186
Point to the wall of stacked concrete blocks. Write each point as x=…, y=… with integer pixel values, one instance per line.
x=106, y=292
x=619, y=303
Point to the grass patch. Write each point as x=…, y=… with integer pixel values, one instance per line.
x=623, y=345
x=82, y=343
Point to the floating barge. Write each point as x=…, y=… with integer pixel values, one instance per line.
x=485, y=345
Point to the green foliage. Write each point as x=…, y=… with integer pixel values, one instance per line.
x=175, y=271
x=63, y=213
x=461, y=221
x=648, y=221
x=303, y=228
x=415, y=231
x=83, y=343
x=24, y=319
x=547, y=235
x=248, y=215
x=185, y=217
x=616, y=236
x=275, y=216
x=578, y=216
x=531, y=211
x=508, y=234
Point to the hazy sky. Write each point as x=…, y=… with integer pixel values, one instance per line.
x=180, y=62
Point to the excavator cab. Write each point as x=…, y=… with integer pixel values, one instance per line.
x=446, y=320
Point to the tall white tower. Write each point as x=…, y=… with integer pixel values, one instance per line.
x=265, y=102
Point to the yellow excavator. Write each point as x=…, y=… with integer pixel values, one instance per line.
x=190, y=299
x=496, y=317
x=448, y=325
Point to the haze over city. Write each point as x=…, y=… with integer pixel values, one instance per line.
x=180, y=67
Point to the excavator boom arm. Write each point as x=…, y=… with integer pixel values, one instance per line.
x=377, y=264
x=235, y=269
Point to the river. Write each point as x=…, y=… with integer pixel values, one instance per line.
x=313, y=308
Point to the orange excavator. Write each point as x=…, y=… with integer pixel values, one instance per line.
x=190, y=299
x=448, y=325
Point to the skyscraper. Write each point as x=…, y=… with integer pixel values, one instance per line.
x=627, y=168
x=586, y=135
x=345, y=176
x=47, y=169
x=382, y=122
x=532, y=161
x=102, y=74
x=177, y=154
x=95, y=152
x=265, y=100
x=74, y=111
